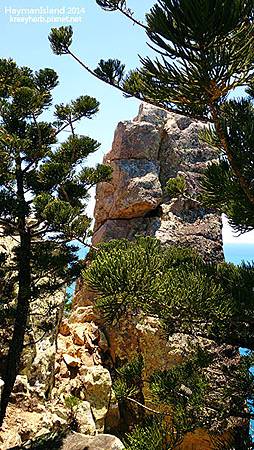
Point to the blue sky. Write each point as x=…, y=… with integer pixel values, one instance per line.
x=98, y=35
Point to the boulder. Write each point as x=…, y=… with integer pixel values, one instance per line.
x=97, y=383
x=133, y=191
x=84, y=314
x=139, y=140
x=78, y=441
x=146, y=153
x=64, y=328
x=85, y=419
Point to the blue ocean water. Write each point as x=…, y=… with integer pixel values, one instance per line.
x=237, y=253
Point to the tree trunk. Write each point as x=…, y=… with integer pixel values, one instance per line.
x=24, y=296
x=22, y=311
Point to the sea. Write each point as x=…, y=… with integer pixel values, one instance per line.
x=238, y=253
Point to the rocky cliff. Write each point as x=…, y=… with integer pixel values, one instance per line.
x=73, y=362
x=146, y=152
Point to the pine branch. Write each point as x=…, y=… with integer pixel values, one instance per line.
x=127, y=13
x=118, y=87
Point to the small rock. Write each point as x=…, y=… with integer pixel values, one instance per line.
x=85, y=357
x=64, y=328
x=21, y=388
x=71, y=361
x=103, y=342
x=100, y=442
x=78, y=335
x=84, y=314
x=85, y=418
x=98, y=386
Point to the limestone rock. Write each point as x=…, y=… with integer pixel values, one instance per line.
x=78, y=335
x=21, y=388
x=70, y=361
x=133, y=191
x=38, y=356
x=100, y=442
x=140, y=140
x=40, y=372
x=84, y=314
x=98, y=384
x=151, y=114
x=21, y=425
x=64, y=328
x=84, y=417
x=133, y=203
x=140, y=333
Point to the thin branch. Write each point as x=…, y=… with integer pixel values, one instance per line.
x=86, y=244
x=93, y=73
x=127, y=13
x=148, y=409
x=66, y=125
x=28, y=344
x=116, y=86
x=72, y=128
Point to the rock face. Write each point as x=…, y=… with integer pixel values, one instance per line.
x=146, y=152
x=38, y=357
x=82, y=387
x=134, y=190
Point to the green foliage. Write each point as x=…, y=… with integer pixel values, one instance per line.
x=72, y=402
x=110, y=71
x=200, y=52
x=186, y=389
x=174, y=285
x=123, y=390
x=111, y=5
x=50, y=176
x=201, y=62
x=132, y=84
x=175, y=186
x=128, y=379
x=90, y=176
x=183, y=387
x=186, y=295
x=61, y=39
x=151, y=434
x=221, y=187
x=83, y=106
x=132, y=370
